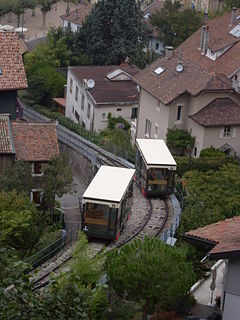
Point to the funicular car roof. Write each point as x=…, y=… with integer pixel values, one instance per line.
x=109, y=184
x=156, y=153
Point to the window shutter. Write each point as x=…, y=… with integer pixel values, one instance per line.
x=234, y=132
x=221, y=132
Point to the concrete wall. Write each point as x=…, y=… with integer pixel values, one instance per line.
x=8, y=100
x=74, y=26
x=232, y=291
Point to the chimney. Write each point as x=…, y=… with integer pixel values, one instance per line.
x=205, y=16
x=202, y=37
x=169, y=51
x=234, y=15
x=205, y=40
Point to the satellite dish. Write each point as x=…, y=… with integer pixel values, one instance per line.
x=179, y=68
x=90, y=83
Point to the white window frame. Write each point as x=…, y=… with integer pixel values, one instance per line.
x=227, y=133
x=37, y=174
x=88, y=111
x=148, y=127
x=41, y=195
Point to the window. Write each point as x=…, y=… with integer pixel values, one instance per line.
x=88, y=111
x=83, y=98
x=134, y=113
x=195, y=151
x=77, y=115
x=72, y=109
x=156, y=46
x=119, y=109
x=103, y=115
x=71, y=84
x=156, y=131
x=227, y=131
x=37, y=169
x=78, y=28
x=148, y=128
x=179, y=110
x=76, y=93
x=36, y=196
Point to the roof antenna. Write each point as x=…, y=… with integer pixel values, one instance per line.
x=179, y=67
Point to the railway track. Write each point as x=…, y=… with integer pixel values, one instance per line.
x=150, y=224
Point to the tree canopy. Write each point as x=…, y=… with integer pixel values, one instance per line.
x=113, y=31
x=175, y=25
x=20, y=222
x=150, y=270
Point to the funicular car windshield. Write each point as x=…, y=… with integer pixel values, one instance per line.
x=97, y=214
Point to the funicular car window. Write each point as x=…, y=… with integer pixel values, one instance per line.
x=157, y=176
x=97, y=214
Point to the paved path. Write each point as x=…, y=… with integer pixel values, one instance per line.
x=70, y=205
x=34, y=24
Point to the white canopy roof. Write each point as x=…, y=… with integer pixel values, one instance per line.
x=6, y=27
x=20, y=29
x=156, y=153
x=109, y=184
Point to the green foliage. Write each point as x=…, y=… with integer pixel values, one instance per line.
x=212, y=196
x=108, y=38
x=45, y=83
x=116, y=122
x=203, y=163
x=17, y=177
x=179, y=139
x=99, y=304
x=122, y=310
x=175, y=25
x=150, y=270
x=232, y=3
x=212, y=152
x=20, y=222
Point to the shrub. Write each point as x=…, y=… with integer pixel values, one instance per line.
x=212, y=152
x=179, y=139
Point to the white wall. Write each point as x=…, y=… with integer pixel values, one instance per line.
x=153, y=43
x=74, y=26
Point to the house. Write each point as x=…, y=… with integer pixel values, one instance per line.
x=202, y=5
x=74, y=19
x=94, y=92
x=223, y=238
x=12, y=74
x=195, y=89
x=154, y=44
x=33, y=142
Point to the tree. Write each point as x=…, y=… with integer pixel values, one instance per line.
x=46, y=6
x=57, y=180
x=232, y=3
x=150, y=270
x=20, y=222
x=112, y=31
x=179, y=139
x=17, y=177
x=175, y=25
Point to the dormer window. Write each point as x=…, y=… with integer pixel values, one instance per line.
x=118, y=75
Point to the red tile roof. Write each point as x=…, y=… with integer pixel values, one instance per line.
x=35, y=141
x=77, y=16
x=60, y=101
x=224, y=235
x=170, y=84
x=6, y=141
x=106, y=91
x=219, y=28
x=13, y=75
x=220, y=112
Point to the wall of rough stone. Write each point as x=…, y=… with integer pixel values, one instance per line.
x=80, y=164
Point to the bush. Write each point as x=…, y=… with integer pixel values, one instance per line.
x=179, y=139
x=212, y=152
x=202, y=164
x=99, y=304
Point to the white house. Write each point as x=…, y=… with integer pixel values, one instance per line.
x=95, y=91
x=74, y=19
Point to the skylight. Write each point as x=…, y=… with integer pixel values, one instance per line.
x=235, y=31
x=159, y=70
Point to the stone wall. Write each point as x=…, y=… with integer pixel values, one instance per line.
x=80, y=164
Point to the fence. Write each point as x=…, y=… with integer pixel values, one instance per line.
x=43, y=255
